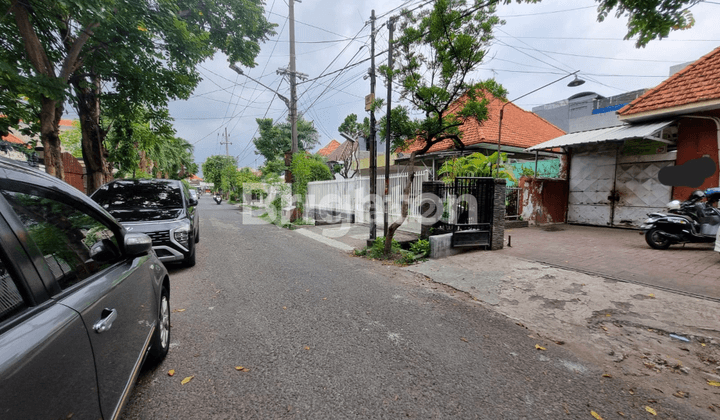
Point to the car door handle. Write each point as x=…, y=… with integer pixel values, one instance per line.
x=104, y=324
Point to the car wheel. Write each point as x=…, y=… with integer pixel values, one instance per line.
x=190, y=259
x=656, y=240
x=160, y=343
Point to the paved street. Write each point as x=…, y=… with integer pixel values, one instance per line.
x=323, y=334
x=621, y=254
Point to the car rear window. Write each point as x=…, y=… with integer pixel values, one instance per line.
x=142, y=195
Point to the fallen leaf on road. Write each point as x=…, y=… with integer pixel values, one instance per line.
x=179, y=310
x=680, y=394
x=559, y=342
x=242, y=369
x=604, y=328
x=171, y=372
x=713, y=383
x=324, y=298
x=621, y=413
x=464, y=339
x=596, y=415
x=307, y=348
x=539, y=347
x=702, y=344
x=608, y=315
x=607, y=375
x=651, y=411
x=284, y=307
x=652, y=295
x=186, y=380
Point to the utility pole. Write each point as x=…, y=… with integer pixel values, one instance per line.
x=293, y=92
x=391, y=27
x=372, y=140
x=226, y=142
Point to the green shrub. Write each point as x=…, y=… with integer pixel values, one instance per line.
x=407, y=257
x=421, y=248
x=525, y=171
x=377, y=250
x=307, y=168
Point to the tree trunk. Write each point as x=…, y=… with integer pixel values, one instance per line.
x=49, y=112
x=403, y=207
x=93, y=151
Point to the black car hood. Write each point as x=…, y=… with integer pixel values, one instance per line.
x=149, y=215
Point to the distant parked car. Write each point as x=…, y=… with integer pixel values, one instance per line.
x=161, y=208
x=83, y=301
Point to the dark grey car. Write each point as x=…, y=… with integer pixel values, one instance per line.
x=160, y=208
x=83, y=302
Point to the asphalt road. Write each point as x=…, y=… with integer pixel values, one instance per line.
x=324, y=335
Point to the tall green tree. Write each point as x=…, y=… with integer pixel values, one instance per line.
x=437, y=51
x=355, y=129
x=146, y=51
x=214, y=166
x=275, y=139
x=349, y=159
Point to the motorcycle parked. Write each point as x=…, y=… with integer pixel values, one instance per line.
x=218, y=199
x=690, y=221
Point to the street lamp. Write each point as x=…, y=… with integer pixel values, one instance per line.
x=573, y=83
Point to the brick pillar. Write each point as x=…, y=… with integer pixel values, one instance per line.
x=428, y=187
x=498, y=228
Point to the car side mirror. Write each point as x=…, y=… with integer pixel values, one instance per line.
x=137, y=244
x=193, y=202
x=104, y=251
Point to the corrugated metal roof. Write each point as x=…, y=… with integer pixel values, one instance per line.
x=604, y=134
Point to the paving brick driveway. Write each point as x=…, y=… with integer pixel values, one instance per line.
x=621, y=254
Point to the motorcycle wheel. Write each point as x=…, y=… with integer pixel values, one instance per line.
x=656, y=240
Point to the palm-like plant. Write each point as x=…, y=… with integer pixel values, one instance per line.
x=475, y=165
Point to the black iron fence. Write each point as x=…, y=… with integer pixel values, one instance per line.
x=467, y=209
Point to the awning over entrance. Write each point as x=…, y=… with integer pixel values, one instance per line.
x=622, y=132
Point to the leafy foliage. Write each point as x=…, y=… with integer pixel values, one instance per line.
x=352, y=127
x=650, y=20
x=214, y=167
x=307, y=168
x=72, y=140
x=421, y=247
x=475, y=164
x=275, y=139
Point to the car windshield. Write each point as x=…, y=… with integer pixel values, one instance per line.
x=139, y=195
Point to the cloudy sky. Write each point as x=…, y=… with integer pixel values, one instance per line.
x=538, y=44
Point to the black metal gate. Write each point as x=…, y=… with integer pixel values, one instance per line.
x=467, y=210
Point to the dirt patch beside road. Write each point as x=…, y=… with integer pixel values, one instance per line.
x=623, y=328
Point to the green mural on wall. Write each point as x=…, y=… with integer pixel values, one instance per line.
x=548, y=168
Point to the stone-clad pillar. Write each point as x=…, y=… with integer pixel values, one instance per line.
x=498, y=228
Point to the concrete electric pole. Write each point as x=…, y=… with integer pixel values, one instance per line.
x=372, y=139
x=226, y=142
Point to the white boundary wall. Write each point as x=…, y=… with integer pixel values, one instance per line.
x=352, y=197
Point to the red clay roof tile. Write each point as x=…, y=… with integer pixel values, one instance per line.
x=696, y=83
x=329, y=148
x=520, y=129
x=11, y=138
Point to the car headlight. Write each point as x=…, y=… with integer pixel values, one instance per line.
x=182, y=235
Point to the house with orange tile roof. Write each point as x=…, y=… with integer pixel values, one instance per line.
x=691, y=98
x=329, y=148
x=619, y=174
x=521, y=129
